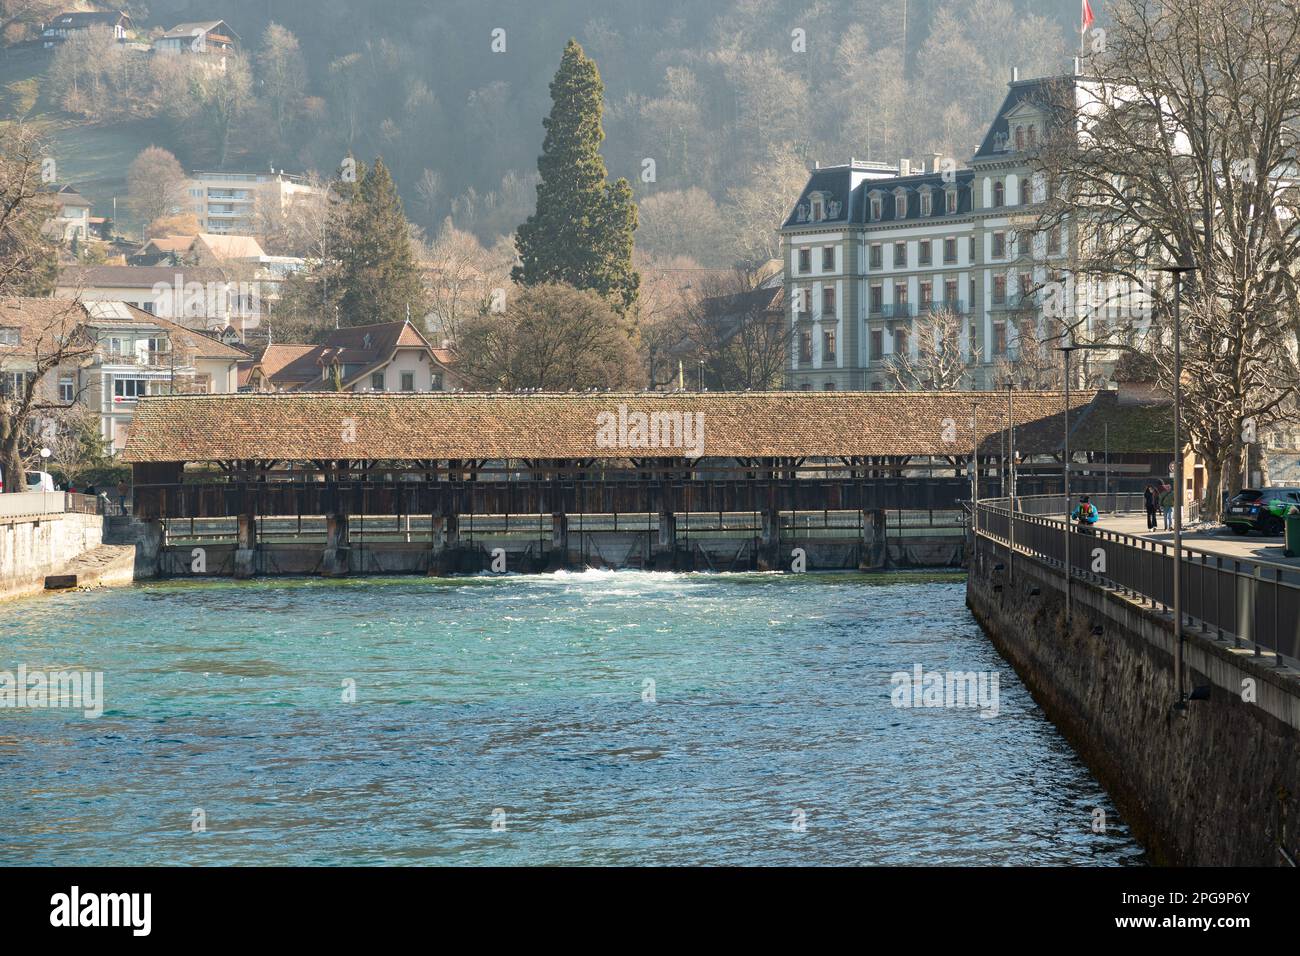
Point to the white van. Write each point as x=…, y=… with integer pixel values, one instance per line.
x=40, y=481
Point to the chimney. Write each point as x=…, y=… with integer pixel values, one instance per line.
x=936, y=160
x=904, y=167
x=1078, y=66
x=1015, y=74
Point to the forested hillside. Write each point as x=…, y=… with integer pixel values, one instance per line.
x=730, y=102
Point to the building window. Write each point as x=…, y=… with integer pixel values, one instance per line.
x=925, y=252
x=437, y=381
x=67, y=389
x=999, y=338
x=805, y=260
x=999, y=194
x=950, y=293
x=408, y=381
x=1020, y=137
x=1033, y=135
x=828, y=300
x=828, y=345
x=877, y=345
x=805, y=346
x=377, y=381
x=828, y=258
x=900, y=255
x=999, y=289
x=925, y=203
x=129, y=387
x=900, y=206
x=875, y=208
x=818, y=208
x=877, y=299
x=950, y=251
x=1026, y=284
x=926, y=293
x=900, y=342
x=876, y=257
x=9, y=337
x=1054, y=241
x=950, y=199
x=13, y=383
x=999, y=245
x=900, y=297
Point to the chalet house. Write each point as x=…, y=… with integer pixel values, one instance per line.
x=389, y=357
x=69, y=24
x=72, y=219
x=209, y=38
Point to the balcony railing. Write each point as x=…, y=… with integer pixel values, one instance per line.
x=897, y=310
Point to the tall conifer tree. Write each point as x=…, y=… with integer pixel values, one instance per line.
x=581, y=233
x=378, y=275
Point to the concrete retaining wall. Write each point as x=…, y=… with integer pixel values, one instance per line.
x=33, y=547
x=1217, y=783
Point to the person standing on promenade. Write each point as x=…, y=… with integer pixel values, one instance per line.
x=1151, y=498
x=1167, y=505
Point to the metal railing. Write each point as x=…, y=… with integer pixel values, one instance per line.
x=1248, y=601
x=36, y=504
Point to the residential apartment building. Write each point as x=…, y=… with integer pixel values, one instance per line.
x=117, y=355
x=200, y=297
x=228, y=202
x=869, y=252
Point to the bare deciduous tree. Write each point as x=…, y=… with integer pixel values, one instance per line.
x=939, y=363
x=1182, y=151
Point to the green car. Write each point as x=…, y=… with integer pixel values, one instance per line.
x=1260, y=510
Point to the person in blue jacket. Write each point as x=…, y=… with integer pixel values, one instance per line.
x=1085, y=515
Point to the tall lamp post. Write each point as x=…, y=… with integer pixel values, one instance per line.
x=1011, y=485
x=1179, y=495
x=1070, y=346
x=974, y=472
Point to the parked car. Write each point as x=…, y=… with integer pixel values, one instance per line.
x=1260, y=509
x=40, y=481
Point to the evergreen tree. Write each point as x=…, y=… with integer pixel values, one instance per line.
x=378, y=277
x=581, y=233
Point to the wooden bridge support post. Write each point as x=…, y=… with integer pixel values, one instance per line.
x=334, y=562
x=246, y=546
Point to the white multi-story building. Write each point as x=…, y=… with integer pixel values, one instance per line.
x=870, y=250
x=229, y=202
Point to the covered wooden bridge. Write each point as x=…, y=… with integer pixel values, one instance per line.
x=443, y=457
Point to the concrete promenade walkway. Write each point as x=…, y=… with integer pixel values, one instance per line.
x=1215, y=538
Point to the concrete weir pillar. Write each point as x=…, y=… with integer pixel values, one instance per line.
x=559, y=556
x=769, y=542
x=664, y=551
x=334, y=562
x=875, y=547
x=246, y=547
x=446, y=543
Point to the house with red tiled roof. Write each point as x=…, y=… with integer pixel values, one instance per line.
x=387, y=357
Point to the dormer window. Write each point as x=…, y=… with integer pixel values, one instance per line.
x=1033, y=135
x=900, y=205
x=999, y=194
x=1020, y=137
x=875, y=207
x=950, y=199
x=926, y=205
x=818, y=207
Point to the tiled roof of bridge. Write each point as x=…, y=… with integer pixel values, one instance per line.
x=300, y=427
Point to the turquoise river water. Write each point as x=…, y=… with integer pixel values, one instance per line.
x=585, y=718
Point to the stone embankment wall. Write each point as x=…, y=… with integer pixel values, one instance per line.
x=1216, y=783
x=33, y=547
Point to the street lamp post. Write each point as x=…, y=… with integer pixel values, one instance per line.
x=1179, y=494
x=1011, y=485
x=974, y=472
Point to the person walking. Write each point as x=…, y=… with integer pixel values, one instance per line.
x=1151, y=498
x=122, y=492
x=1167, y=505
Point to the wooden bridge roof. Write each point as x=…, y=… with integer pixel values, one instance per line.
x=297, y=427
